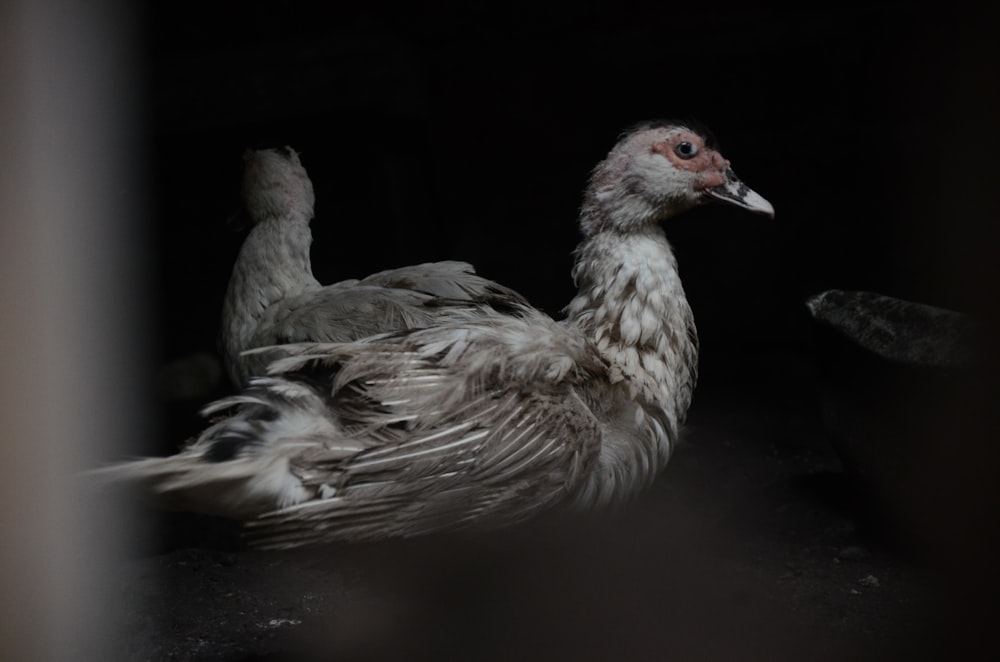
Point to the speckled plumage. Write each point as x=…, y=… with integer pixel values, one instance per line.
x=486, y=417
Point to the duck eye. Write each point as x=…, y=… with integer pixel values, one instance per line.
x=685, y=150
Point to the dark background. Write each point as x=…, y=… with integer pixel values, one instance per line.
x=449, y=132
x=443, y=131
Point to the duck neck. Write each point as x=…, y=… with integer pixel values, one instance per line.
x=631, y=304
x=273, y=264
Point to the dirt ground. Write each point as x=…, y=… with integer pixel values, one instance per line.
x=753, y=545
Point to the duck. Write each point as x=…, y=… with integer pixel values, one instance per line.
x=485, y=419
x=273, y=297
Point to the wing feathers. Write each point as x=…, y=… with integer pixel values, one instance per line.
x=399, y=434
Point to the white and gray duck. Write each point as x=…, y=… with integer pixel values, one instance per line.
x=484, y=418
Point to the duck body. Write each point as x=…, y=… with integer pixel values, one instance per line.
x=488, y=414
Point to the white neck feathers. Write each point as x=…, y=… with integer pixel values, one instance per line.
x=631, y=304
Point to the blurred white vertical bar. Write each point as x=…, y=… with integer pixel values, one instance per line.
x=71, y=323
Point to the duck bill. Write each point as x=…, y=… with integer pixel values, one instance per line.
x=735, y=192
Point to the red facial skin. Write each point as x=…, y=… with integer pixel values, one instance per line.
x=708, y=164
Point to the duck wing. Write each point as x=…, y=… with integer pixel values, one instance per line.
x=398, y=435
x=448, y=279
x=409, y=297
